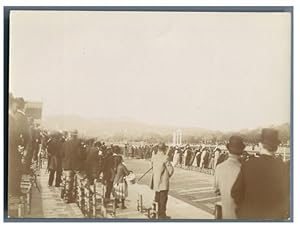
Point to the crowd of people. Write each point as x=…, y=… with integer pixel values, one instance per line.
x=89, y=158
x=203, y=156
x=66, y=155
x=250, y=186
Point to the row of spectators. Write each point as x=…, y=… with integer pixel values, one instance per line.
x=139, y=152
x=202, y=156
x=65, y=152
x=68, y=155
x=87, y=158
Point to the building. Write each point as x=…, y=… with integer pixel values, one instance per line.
x=34, y=110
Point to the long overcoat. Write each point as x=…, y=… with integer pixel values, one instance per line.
x=73, y=157
x=54, y=149
x=162, y=171
x=261, y=190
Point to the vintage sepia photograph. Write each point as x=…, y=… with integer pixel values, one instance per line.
x=149, y=114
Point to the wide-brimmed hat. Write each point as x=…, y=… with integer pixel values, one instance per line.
x=269, y=137
x=235, y=143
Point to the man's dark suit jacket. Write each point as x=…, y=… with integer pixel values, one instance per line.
x=72, y=155
x=261, y=190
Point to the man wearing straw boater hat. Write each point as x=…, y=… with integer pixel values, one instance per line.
x=226, y=174
x=261, y=189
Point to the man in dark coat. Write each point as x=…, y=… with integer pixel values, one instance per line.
x=55, y=160
x=188, y=155
x=14, y=156
x=108, y=171
x=72, y=153
x=198, y=157
x=92, y=166
x=23, y=130
x=261, y=189
x=72, y=162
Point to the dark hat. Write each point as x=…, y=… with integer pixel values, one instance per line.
x=162, y=146
x=97, y=144
x=270, y=137
x=235, y=144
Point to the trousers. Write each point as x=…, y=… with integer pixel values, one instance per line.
x=69, y=185
x=57, y=178
x=161, y=198
x=109, y=187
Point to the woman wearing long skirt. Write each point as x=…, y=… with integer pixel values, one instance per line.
x=120, y=187
x=176, y=156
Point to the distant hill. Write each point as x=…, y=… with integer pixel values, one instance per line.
x=132, y=130
x=104, y=128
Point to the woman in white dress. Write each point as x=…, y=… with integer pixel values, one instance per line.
x=176, y=156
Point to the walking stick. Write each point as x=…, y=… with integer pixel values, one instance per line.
x=145, y=174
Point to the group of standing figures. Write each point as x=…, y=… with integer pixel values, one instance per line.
x=202, y=157
x=255, y=187
x=91, y=159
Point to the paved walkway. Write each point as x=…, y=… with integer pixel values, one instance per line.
x=192, y=187
x=176, y=208
x=48, y=204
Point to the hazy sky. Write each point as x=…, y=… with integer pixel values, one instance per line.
x=223, y=71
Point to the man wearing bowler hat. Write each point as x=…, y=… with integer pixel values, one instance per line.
x=226, y=174
x=261, y=189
